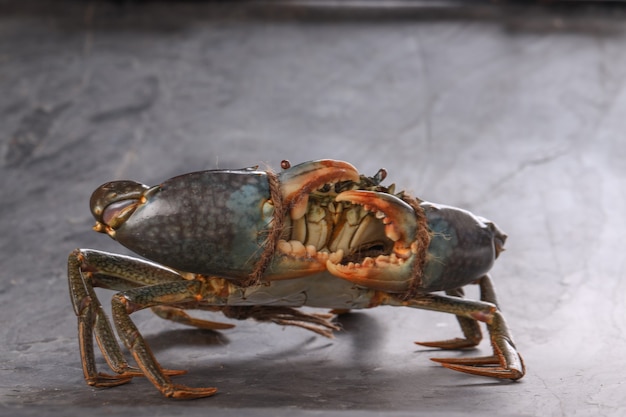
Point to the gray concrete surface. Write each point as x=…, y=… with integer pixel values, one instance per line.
x=518, y=114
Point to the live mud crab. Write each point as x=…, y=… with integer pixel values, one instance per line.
x=257, y=244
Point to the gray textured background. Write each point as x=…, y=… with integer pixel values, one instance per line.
x=518, y=114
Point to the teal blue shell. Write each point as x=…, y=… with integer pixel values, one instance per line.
x=209, y=222
x=461, y=249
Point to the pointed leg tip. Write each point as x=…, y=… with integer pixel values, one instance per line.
x=103, y=380
x=499, y=373
x=480, y=361
x=433, y=345
x=174, y=372
x=481, y=370
x=137, y=372
x=452, y=344
x=183, y=392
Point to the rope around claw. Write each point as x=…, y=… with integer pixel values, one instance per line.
x=271, y=241
x=423, y=241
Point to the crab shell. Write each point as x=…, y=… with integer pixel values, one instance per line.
x=296, y=223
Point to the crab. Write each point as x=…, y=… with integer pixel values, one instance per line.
x=257, y=244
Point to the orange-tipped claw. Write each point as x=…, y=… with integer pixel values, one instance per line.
x=107, y=381
x=505, y=363
x=299, y=181
x=393, y=272
x=492, y=372
x=450, y=344
x=398, y=216
x=183, y=392
x=489, y=366
x=132, y=372
x=174, y=372
x=104, y=380
x=483, y=360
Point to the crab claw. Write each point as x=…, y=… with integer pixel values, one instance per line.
x=296, y=184
x=113, y=203
x=299, y=181
x=390, y=272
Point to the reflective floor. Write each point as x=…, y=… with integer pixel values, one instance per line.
x=516, y=114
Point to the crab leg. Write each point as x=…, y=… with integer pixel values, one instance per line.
x=501, y=340
x=505, y=363
x=88, y=269
x=296, y=185
x=177, y=315
x=127, y=302
x=470, y=327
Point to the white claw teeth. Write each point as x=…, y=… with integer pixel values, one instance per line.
x=336, y=257
x=368, y=262
x=322, y=256
x=284, y=247
x=392, y=233
x=297, y=248
x=382, y=261
x=397, y=216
